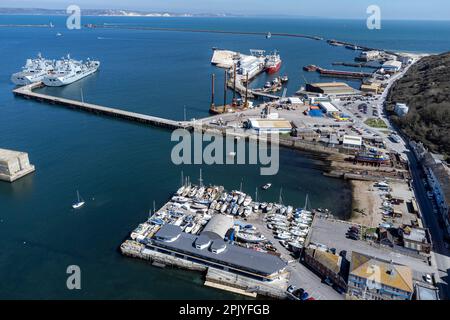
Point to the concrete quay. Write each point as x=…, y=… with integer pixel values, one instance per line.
x=28, y=93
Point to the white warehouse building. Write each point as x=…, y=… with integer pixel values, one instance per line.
x=328, y=107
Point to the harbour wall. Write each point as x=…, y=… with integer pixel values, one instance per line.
x=215, y=278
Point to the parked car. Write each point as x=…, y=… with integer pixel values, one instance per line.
x=354, y=229
x=328, y=281
x=291, y=289
x=352, y=236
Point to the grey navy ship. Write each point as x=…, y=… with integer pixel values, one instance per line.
x=67, y=71
x=34, y=70
x=54, y=73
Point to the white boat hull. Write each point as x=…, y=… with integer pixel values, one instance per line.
x=55, y=81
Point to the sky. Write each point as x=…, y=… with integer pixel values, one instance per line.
x=355, y=9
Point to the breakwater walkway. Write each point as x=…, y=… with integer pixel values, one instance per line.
x=28, y=93
x=255, y=33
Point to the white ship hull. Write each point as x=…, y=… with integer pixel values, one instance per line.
x=53, y=80
x=24, y=78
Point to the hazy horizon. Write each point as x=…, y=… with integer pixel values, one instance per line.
x=343, y=9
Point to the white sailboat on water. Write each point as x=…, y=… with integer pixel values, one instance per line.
x=80, y=202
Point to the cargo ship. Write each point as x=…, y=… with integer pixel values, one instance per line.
x=273, y=63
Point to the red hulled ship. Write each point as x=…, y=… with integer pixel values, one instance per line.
x=273, y=63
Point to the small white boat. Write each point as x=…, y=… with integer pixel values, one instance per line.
x=283, y=236
x=224, y=207
x=247, y=211
x=189, y=227
x=179, y=199
x=232, y=154
x=247, y=201
x=80, y=202
x=180, y=191
x=249, y=237
x=193, y=192
x=266, y=186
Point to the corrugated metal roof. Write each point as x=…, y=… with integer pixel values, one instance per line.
x=233, y=256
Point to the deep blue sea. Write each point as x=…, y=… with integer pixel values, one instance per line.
x=121, y=168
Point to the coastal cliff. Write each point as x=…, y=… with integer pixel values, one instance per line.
x=425, y=88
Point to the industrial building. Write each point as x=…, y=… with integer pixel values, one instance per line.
x=374, y=279
x=374, y=88
x=328, y=108
x=369, y=55
x=14, y=165
x=270, y=125
x=332, y=88
x=392, y=66
x=401, y=109
x=210, y=249
x=352, y=142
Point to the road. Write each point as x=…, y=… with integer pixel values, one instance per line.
x=441, y=253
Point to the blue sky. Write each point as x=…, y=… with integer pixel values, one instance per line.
x=391, y=9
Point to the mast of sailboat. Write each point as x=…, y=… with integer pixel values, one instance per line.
x=82, y=96
x=182, y=179
x=240, y=187
x=256, y=195
x=78, y=196
x=306, y=202
x=281, y=198
x=200, y=179
x=154, y=206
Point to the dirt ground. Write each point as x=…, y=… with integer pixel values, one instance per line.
x=365, y=204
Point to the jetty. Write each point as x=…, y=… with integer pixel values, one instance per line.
x=28, y=93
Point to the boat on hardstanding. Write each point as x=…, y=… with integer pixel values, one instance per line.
x=34, y=70
x=67, y=71
x=250, y=237
x=273, y=62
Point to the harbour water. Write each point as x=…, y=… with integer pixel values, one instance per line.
x=120, y=168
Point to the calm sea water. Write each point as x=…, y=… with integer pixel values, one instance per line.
x=120, y=168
